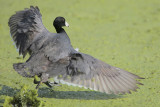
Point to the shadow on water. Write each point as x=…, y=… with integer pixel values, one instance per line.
x=8, y=91
x=50, y=93
x=87, y=95
x=1, y=102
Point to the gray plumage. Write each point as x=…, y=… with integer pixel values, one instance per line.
x=52, y=55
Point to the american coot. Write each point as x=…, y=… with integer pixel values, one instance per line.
x=52, y=55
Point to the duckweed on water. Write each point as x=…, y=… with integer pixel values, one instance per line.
x=122, y=33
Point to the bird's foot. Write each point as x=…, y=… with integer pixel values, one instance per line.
x=38, y=84
x=54, y=84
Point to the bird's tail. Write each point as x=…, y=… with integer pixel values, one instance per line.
x=22, y=69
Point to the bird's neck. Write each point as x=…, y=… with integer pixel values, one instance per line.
x=60, y=30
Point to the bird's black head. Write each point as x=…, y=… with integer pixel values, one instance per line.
x=59, y=22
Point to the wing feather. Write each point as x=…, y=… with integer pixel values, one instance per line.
x=24, y=26
x=97, y=75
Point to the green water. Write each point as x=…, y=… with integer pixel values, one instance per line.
x=122, y=33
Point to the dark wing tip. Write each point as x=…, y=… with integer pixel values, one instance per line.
x=37, y=8
x=31, y=7
x=34, y=8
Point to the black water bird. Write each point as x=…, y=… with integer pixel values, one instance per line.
x=52, y=55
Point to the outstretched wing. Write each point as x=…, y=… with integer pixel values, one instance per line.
x=86, y=71
x=24, y=26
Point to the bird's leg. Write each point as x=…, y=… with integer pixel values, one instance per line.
x=43, y=79
x=48, y=84
x=38, y=84
x=36, y=80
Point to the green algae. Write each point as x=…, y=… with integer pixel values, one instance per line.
x=122, y=33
